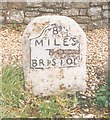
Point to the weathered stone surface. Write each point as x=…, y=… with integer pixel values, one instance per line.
x=67, y=4
x=2, y=16
x=54, y=56
x=32, y=13
x=47, y=14
x=98, y=24
x=97, y=3
x=81, y=4
x=31, y=9
x=105, y=7
x=3, y=5
x=16, y=5
x=43, y=9
x=75, y=4
x=28, y=19
x=83, y=12
x=84, y=26
x=15, y=16
x=96, y=17
x=70, y=12
x=2, y=19
x=53, y=4
x=94, y=11
x=82, y=19
x=106, y=14
x=93, y=3
x=34, y=4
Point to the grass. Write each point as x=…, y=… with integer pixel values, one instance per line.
x=16, y=102
x=103, y=93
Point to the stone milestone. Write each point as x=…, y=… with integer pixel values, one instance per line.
x=54, y=56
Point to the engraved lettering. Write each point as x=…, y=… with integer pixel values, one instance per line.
x=37, y=42
x=53, y=62
x=69, y=61
x=34, y=63
x=41, y=62
x=62, y=48
x=56, y=42
x=65, y=42
x=55, y=31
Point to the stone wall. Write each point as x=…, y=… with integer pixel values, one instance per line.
x=89, y=15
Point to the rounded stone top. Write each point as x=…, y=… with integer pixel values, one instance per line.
x=40, y=22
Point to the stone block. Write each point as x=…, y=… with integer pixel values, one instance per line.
x=2, y=16
x=16, y=5
x=106, y=14
x=54, y=56
x=3, y=5
x=31, y=9
x=70, y=12
x=47, y=14
x=14, y=16
x=43, y=9
x=2, y=19
x=53, y=4
x=94, y=11
x=96, y=17
x=98, y=24
x=81, y=4
x=82, y=19
x=32, y=13
x=105, y=7
x=28, y=19
x=93, y=3
x=83, y=12
x=76, y=5
x=97, y=3
x=34, y=4
x=67, y=4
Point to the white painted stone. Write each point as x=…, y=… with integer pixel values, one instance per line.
x=54, y=56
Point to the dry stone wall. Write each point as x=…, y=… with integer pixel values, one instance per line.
x=90, y=15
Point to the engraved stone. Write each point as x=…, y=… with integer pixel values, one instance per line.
x=54, y=56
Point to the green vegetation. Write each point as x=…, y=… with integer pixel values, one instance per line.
x=16, y=102
x=103, y=93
